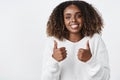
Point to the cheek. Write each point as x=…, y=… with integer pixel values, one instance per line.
x=66, y=25
x=66, y=22
x=80, y=20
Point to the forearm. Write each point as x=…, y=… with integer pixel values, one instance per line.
x=50, y=70
x=98, y=71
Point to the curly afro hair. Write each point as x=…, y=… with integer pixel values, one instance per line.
x=92, y=21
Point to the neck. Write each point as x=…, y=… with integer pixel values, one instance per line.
x=75, y=37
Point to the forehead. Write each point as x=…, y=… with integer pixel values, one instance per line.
x=71, y=8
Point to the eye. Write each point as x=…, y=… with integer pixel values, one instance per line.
x=78, y=15
x=67, y=17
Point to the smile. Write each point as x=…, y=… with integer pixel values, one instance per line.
x=74, y=26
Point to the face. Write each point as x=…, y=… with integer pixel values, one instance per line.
x=73, y=19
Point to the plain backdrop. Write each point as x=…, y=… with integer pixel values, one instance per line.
x=22, y=36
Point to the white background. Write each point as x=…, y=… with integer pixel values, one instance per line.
x=22, y=36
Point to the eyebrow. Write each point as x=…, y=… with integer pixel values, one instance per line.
x=70, y=13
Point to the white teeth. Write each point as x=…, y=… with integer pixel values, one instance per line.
x=74, y=26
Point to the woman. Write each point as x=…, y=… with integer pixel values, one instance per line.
x=75, y=49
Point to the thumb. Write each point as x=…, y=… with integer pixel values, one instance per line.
x=55, y=44
x=87, y=45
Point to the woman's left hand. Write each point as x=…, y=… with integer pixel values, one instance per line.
x=84, y=54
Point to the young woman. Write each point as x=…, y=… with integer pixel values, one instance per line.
x=75, y=49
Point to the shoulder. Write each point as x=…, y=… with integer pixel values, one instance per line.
x=96, y=37
x=50, y=40
x=96, y=42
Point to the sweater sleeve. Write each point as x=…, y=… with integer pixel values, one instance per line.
x=50, y=67
x=98, y=65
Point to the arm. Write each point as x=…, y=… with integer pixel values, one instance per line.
x=98, y=65
x=50, y=67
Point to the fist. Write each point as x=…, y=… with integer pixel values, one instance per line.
x=84, y=54
x=59, y=54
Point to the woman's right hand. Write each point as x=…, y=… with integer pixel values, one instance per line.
x=59, y=54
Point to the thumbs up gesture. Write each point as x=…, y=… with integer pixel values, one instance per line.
x=84, y=54
x=59, y=54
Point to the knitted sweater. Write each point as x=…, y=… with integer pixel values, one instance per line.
x=71, y=68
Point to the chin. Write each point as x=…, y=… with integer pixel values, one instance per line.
x=75, y=32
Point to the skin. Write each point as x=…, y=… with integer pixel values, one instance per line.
x=73, y=22
x=84, y=54
x=59, y=54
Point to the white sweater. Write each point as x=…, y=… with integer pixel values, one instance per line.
x=71, y=68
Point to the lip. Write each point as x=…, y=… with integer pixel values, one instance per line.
x=74, y=26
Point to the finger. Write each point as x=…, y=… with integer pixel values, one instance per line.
x=87, y=45
x=64, y=51
x=62, y=48
x=55, y=44
x=81, y=50
x=64, y=55
x=79, y=56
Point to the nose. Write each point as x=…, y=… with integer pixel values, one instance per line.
x=73, y=19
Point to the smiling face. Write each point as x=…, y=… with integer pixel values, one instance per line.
x=73, y=19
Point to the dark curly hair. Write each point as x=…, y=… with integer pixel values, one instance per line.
x=92, y=21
